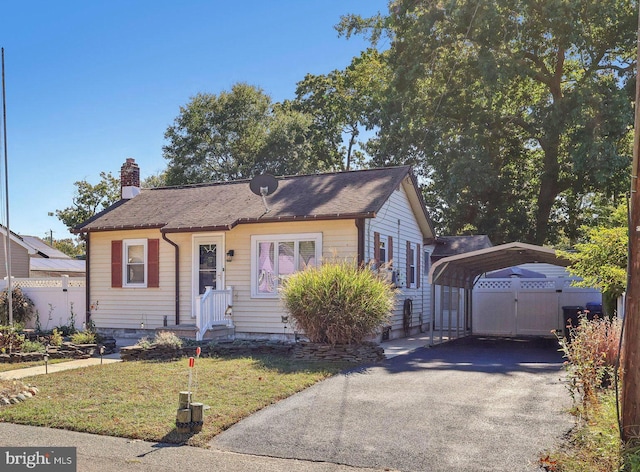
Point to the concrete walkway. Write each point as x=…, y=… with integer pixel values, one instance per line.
x=51, y=368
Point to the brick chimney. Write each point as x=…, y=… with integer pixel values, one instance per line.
x=129, y=179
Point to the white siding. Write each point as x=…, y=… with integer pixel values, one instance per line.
x=263, y=315
x=129, y=307
x=396, y=219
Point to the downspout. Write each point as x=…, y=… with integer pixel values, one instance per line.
x=360, y=226
x=87, y=282
x=177, y=276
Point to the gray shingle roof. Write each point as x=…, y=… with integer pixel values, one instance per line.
x=221, y=206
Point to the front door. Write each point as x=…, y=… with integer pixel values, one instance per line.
x=207, y=270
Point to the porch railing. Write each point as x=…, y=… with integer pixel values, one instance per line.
x=213, y=307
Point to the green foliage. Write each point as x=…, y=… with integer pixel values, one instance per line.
x=56, y=338
x=22, y=306
x=90, y=199
x=32, y=346
x=601, y=262
x=10, y=339
x=338, y=302
x=511, y=132
x=593, y=445
x=71, y=248
x=236, y=135
x=83, y=337
x=340, y=103
x=591, y=351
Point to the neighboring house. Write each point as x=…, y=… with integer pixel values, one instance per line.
x=21, y=252
x=49, y=262
x=152, y=255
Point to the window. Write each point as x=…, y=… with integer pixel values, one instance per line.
x=413, y=265
x=135, y=263
x=276, y=257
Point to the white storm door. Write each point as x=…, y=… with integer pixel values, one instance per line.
x=207, y=265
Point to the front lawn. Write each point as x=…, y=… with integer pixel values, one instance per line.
x=139, y=399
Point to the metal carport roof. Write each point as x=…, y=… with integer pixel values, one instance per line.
x=463, y=269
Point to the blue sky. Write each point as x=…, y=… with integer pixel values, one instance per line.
x=90, y=83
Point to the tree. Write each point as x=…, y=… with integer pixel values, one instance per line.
x=69, y=247
x=340, y=103
x=506, y=107
x=90, y=199
x=601, y=262
x=235, y=135
x=156, y=180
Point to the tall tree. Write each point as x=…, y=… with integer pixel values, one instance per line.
x=90, y=199
x=235, y=135
x=340, y=103
x=505, y=106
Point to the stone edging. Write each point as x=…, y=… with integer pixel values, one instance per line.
x=25, y=394
x=367, y=352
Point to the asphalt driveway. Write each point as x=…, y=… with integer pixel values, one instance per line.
x=470, y=405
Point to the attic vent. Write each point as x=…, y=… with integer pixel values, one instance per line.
x=264, y=185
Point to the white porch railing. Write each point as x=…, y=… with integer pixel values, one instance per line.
x=213, y=307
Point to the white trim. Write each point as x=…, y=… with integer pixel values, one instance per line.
x=206, y=238
x=278, y=238
x=126, y=243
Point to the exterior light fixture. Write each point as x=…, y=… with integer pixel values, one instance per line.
x=230, y=254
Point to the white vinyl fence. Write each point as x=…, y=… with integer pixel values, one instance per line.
x=512, y=307
x=55, y=298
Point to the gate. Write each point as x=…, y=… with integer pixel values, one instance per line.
x=525, y=307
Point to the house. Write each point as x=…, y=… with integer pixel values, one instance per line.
x=21, y=252
x=202, y=256
x=49, y=262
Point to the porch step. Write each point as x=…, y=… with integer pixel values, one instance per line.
x=188, y=331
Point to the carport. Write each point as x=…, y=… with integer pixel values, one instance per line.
x=462, y=271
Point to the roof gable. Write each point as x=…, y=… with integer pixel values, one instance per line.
x=221, y=206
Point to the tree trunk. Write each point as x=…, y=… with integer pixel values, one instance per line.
x=549, y=189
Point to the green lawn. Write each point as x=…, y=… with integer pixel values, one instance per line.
x=139, y=399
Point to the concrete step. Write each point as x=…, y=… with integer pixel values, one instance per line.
x=188, y=331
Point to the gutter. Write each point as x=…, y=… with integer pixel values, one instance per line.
x=87, y=283
x=177, y=276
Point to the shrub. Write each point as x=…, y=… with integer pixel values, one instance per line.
x=10, y=339
x=591, y=352
x=167, y=338
x=56, y=338
x=32, y=346
x=338, y=302
x=21, y=306
x=85, y=337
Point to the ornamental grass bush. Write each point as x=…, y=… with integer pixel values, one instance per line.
x=338, y=302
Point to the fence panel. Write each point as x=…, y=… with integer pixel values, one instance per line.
x=55, y=299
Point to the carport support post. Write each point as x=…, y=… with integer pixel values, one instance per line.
x=630, y=423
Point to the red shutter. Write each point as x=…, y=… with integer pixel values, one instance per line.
x=390, y=249
x=153, y=263
x=418, y=266
x=409, y=264
x=116, y=264
x=376, y=247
